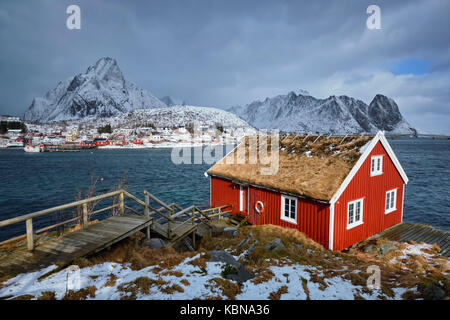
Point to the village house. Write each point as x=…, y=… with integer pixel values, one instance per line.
x=337, y=190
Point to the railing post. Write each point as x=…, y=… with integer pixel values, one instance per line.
x=85, y=222
x=30, y=235
x=169, y=231
x=146, y=214
x=121, y=205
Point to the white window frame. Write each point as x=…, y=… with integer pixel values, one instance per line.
x=283, y=217
x=377, y=171
x=360, y=221
x=390, y=194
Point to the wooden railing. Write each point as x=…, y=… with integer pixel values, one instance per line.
x=83, y=218
x=166, y=213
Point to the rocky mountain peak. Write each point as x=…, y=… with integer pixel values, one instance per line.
x=335, y=114
x=101, y=91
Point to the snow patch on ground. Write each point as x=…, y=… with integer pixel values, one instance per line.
x=294, y=277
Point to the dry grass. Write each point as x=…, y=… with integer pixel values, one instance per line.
x=277, y=294
x=185, y=282
x=172, y=273
x=47, y=295
x=143, y=284
x=317, y=177
x=130, y=251
x=112, y=278
x=81, y=294
x=23, y=297
x=229, y=288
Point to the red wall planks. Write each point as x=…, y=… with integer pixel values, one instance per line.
x=373, y=191
x=312, y=217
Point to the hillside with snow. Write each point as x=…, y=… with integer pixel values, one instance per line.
x=101, y=91
x=337, y=115
x=175, y=116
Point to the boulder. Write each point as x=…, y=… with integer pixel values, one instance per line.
x=154, y=243
x=384, y=248
x=431, y=292
x=231, y=231
x=242, y=274
x=275, y=245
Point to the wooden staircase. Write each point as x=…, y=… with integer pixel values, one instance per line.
x=239, y=219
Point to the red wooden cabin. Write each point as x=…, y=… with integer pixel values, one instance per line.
x=342, y=193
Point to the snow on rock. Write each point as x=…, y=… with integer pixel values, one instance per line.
x=338, y=115
x=101, y=91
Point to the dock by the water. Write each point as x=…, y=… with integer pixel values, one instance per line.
x=405, y=231
x=169, y=221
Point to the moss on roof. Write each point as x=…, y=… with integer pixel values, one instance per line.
x=309, y=166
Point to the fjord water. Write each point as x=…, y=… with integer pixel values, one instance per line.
x=36, y=181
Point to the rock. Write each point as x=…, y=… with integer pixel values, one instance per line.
x=223, y=256
x=432, y=292
x=385, y=248
x=299, y=245
x=251, y=248
x=232, y=231
x=369, y=249
x=242, y=273
x=275, y=245
x=243, y=242
x=154, y=243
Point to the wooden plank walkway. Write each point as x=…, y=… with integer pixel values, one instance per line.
x=405, y=231
x=178, y=230
x=62, y=251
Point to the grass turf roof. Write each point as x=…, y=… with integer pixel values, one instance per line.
x=309, y=166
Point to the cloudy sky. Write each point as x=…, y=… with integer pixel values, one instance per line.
x=227, y=52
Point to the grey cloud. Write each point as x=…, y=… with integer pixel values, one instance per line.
x=222, y=53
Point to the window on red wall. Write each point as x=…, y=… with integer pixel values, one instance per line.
x=376, y=165
x=354, y=213
x=391, y=201
x=289, y=209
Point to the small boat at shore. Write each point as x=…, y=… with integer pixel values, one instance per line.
x=31, y=148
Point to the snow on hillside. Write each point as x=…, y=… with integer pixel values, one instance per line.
x=172, y=117
x=187, y=281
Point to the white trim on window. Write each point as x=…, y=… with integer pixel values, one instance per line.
x=355, y=211
x=376, y=165
x=288, y=218
x=390, y=202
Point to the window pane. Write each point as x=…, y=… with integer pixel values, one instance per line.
x=387, y=200
x=358, y=211
x=293, y=209
x=392, y=199
x=372, y=168
x=286, y=208
x=378, y=164
x=350, y=213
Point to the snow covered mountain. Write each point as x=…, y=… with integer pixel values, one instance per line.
x=100, y=92
x=171, y=117
x=337, y=115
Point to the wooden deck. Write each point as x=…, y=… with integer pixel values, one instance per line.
x=419, y=233
x=62, y=251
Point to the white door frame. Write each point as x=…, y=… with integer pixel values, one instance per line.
x=241, y=198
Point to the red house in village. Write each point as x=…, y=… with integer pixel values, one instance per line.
x=337, y=190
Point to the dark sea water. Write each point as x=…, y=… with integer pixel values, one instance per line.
x=36, y=181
